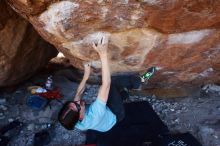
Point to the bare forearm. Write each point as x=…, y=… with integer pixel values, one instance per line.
x=82, y=85
x=106, y=79
x=80, y=90
x=101, y=47
x=106, y=76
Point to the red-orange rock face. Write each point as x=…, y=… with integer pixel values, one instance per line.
x=181, y=38
x=22, y=50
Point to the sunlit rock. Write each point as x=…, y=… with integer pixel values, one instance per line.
x=179, y=37
x=22, y=50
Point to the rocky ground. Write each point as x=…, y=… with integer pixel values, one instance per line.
x=199, y=115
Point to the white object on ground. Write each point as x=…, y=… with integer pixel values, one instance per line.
x=40, y=90
x=211, y=88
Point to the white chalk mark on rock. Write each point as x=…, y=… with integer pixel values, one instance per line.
x=57, y=15
x=188, y=37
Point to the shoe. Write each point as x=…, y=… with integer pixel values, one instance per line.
x=42, y=138
x=124, y=93
x=4, y=140
x=10, y=131
x=148, y=74
x=13, y=125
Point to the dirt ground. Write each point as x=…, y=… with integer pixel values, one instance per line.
x=199, y=115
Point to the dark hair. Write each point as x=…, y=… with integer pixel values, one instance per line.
x=67, y=117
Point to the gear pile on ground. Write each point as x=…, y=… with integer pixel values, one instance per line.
x=199, y=115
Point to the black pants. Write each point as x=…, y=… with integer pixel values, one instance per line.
x=115, y=100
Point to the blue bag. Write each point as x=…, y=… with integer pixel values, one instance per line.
x=36, y=102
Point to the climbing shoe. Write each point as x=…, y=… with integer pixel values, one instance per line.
x=10, y=131
x=148, y=74
x=124, y=93
x=42, y=138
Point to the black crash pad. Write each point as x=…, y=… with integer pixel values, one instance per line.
x=140, y=127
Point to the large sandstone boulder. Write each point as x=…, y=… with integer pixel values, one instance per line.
x=180, y=37
x=22, y=50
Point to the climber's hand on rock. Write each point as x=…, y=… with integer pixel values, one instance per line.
x=102, y=45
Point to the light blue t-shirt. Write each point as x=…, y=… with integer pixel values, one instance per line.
x=97, y=117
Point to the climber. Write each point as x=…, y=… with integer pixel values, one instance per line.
x=97, y=116
x=108, y=108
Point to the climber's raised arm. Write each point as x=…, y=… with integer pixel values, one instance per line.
x=82, y=85
x=101, y=47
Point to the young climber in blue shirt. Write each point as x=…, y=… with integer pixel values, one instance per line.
x=108, y=107
x=97, y=116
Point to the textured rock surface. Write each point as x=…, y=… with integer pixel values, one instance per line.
x=182, y=38
x=22, y=50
